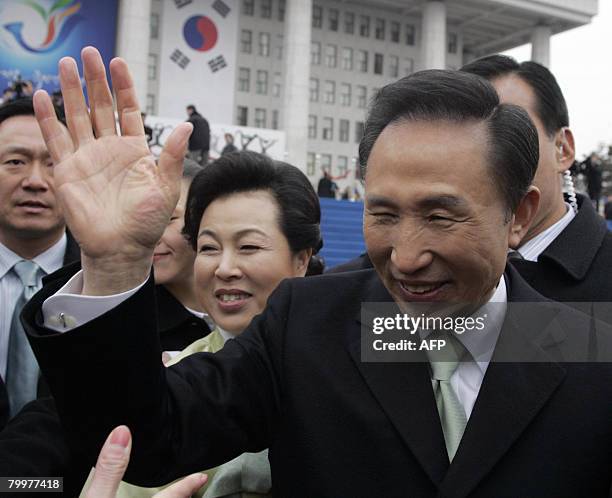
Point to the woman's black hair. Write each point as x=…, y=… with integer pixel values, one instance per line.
x=246, y=171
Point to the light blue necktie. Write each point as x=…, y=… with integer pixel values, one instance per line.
x=22, y=368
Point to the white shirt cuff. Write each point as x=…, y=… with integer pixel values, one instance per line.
x=68, y=309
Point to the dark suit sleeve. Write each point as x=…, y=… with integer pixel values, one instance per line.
x=197, y=414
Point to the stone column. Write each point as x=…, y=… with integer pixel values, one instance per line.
x=133, y=34
x=296, y=67
x=433, y=38
x=540, y=45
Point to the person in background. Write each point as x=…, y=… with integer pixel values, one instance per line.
x=229, y=144
x=33, y=443
x=199, y=141
x=33, y=243
x=148, y=130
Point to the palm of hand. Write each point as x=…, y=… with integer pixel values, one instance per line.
x=114, y=180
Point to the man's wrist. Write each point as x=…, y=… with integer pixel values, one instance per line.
x=113, y=275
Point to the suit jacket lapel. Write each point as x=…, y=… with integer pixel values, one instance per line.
x=511, y=395
x=405, y=394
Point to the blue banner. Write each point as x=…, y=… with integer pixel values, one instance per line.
x=36, y=34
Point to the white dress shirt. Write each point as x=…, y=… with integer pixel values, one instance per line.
x=11, y=287
x=532, y=249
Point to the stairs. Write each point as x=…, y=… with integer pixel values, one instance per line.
x=341, y=227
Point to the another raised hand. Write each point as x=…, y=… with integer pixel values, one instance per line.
x=112, y=464
x=116, y=199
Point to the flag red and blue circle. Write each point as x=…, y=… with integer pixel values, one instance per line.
x=200, y=33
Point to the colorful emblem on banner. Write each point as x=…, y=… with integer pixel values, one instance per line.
x=200, y=33
x=60, y=20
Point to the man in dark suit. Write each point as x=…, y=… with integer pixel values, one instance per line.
x=298, y=380
x=32, y=232
x=199, y=141
x=567, y=253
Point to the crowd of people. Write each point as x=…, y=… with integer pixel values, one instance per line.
x=162, y=319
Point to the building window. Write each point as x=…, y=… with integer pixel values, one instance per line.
x=276, y=85
x=345, y=94
x=378, y=63
x=358, y=131
x=317, y=16
x=279, y=47
x=333, y=19
x=452, y=43
x=379, y=32
x=344, y=130
x=152, y=67
x=349, y=23
x=395, y=32
x=266, y=9
x=362, y=60
x=246, y=41
x=260, y=118
x=242, y=116
x=244, y=79
x=347, y=58
x=331, y=55
x=282, y=6
x=311, y=163
x=150, y=109
x=408, y=66
x=410, y=34
x=315, y=53
x=312, y=126
x=362, y=96
x=393, y=66
x=248, y=7
x=328, y=130
x=264, y=44
x=261, y=86
x=314, y=90
x=330, y=92
x=275, y=119
x=154, y=26
x=364, y=26
x=326, y=162
x=342, y=164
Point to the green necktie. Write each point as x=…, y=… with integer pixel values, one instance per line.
x=452, y=415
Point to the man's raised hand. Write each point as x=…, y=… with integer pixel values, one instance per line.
x=116, y=199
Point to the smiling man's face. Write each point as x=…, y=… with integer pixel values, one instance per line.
x=435, y=225
x=28, y=204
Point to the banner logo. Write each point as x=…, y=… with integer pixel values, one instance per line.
x=60, y=20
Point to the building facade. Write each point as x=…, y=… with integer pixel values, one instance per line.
x=310, y=68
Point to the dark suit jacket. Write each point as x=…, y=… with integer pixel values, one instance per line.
x=34, y=443
x=336, y=426
x=73, y=253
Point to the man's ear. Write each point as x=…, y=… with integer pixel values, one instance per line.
x=301, y=260
x=523, y=217
x=566, y=151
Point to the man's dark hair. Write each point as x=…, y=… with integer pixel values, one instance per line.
x=550, y=104
x=192, y=108
x=439, y=95
x=246, y=171
x=21, y=107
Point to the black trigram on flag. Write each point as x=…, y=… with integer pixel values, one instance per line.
x=221, y=7
x=217, y=63
x=180, y=58
x=182, y=3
